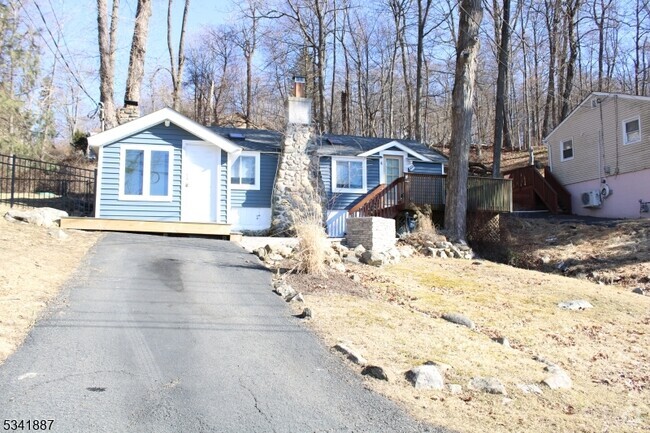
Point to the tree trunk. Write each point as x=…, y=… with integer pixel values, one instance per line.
x=423, y=13
x=571, y=11
x=107, y=46
x=138, y=50
x=471, y=14
x=176, y=67
x=502, y=88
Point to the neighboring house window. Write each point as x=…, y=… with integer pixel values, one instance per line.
x=566, y=148
x=349, y=175
x=145, y=173
x=632, y=131
x=245, y=173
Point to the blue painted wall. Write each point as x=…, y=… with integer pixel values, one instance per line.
x=242, y=198
x=111, y=207
x=339, y=200
x=427, y=167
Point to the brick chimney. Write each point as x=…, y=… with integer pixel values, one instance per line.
x=295, y=190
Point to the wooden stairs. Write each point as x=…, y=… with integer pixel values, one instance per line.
x=530, y=189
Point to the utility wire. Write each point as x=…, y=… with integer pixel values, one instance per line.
x=58, y=49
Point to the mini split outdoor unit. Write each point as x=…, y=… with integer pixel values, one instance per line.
x=591, y=199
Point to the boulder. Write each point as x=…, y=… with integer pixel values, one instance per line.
x=260, y=252
x=375, y=372
x=459, y=319
x=502, y=341
x=491, y=385
x=372, y=258
x=359, y=250
x=639, y=291
x=454, y=388
x=337, y=266
x=351, y=354
x=558, y=378
x=297, y=298
x=351, y=258
x=426, y=377
x=575, y=305
x=286, y=291
x=44, y=216
x=306, y=314
x=406, y=251
x=57, y=233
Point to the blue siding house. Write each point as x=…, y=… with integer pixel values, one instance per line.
x=166, y=167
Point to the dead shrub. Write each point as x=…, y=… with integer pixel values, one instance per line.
x=312, y=247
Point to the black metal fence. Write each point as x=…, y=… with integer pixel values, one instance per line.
x=30, y=183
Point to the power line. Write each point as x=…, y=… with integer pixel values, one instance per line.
x=58, y=49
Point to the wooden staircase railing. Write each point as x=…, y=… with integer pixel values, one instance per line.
x=563, y=196
x=529, y=179
x=383, y=201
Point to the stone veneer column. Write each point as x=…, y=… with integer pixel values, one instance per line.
x=294, y=193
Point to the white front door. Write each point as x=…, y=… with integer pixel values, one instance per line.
x=393, y=168
x=200, y=190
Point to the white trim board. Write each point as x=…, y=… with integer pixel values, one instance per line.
x=165, y=115
x=398, y=145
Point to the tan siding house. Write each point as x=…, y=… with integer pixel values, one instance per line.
x=602, y=149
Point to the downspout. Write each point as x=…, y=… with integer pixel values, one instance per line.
x=617, y=135
x=601, y=142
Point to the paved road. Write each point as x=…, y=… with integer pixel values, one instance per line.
x=162, y=334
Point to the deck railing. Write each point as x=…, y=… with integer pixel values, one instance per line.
x=527, y=180
x=563, y=196
x=483, y=194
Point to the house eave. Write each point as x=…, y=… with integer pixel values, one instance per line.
x=398, y=145
x=157, y=117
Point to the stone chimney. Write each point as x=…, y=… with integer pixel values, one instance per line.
x=129, y=112
x=295, y=192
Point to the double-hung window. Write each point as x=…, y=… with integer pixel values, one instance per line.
x=566, y=150
x=632, y=131
x=349, y=175
x=145, y=173
x=245, y=172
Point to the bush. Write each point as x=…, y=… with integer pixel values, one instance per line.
x=312, y=240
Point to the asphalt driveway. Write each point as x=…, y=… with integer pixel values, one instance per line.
x=163, y=334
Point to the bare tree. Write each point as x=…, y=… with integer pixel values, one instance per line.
x=502, y=87
x=471, y=15
x=138, y=50
x=571, y=12
x=176, y=66
x=107, y=35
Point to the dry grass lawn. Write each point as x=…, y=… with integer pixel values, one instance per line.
x=393, y=317
x=34, y=267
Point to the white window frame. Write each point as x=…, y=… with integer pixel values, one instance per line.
x=363, y=161
x=256, y=185
x=625, y=122
x=573, y=150
x=405, y=163
x=146, y=170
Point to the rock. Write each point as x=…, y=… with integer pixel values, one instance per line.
x=545, y=260
x=284, y=251
x=372, y=258
x=639, y=291
x=442, y=367
x=260, y=252
x=337, y=266
x=306, y=314
x=286, y=291
x=359, y=250
x=340, y=249
x=392, y=255
x=502, y=340
x=558, y=378
x=351, y=354
x=455, y=388
x=375, y=372
x=491, y=385
x=44, y=216
x=351, y=258
x=577, y=304
x=459, y=319
x=426, y=377
x=273, y=257
x=406, y=251
x=355, y=277
x=58, y=234
x=297, y=298
x=431, y=251
x=529, y=388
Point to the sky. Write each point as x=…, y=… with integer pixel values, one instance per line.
x=74, y=23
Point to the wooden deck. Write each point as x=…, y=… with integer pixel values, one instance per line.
x=483, y=195
x=532, y=191
x=162, y=227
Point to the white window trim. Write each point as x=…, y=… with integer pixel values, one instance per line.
x=631, y=119
x=146, y=196
x=382, y=168
x=573, y=150
x=363, y=161
x=255, y=186
x=444, y=168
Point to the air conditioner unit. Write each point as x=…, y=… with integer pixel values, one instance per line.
x=591, y=199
